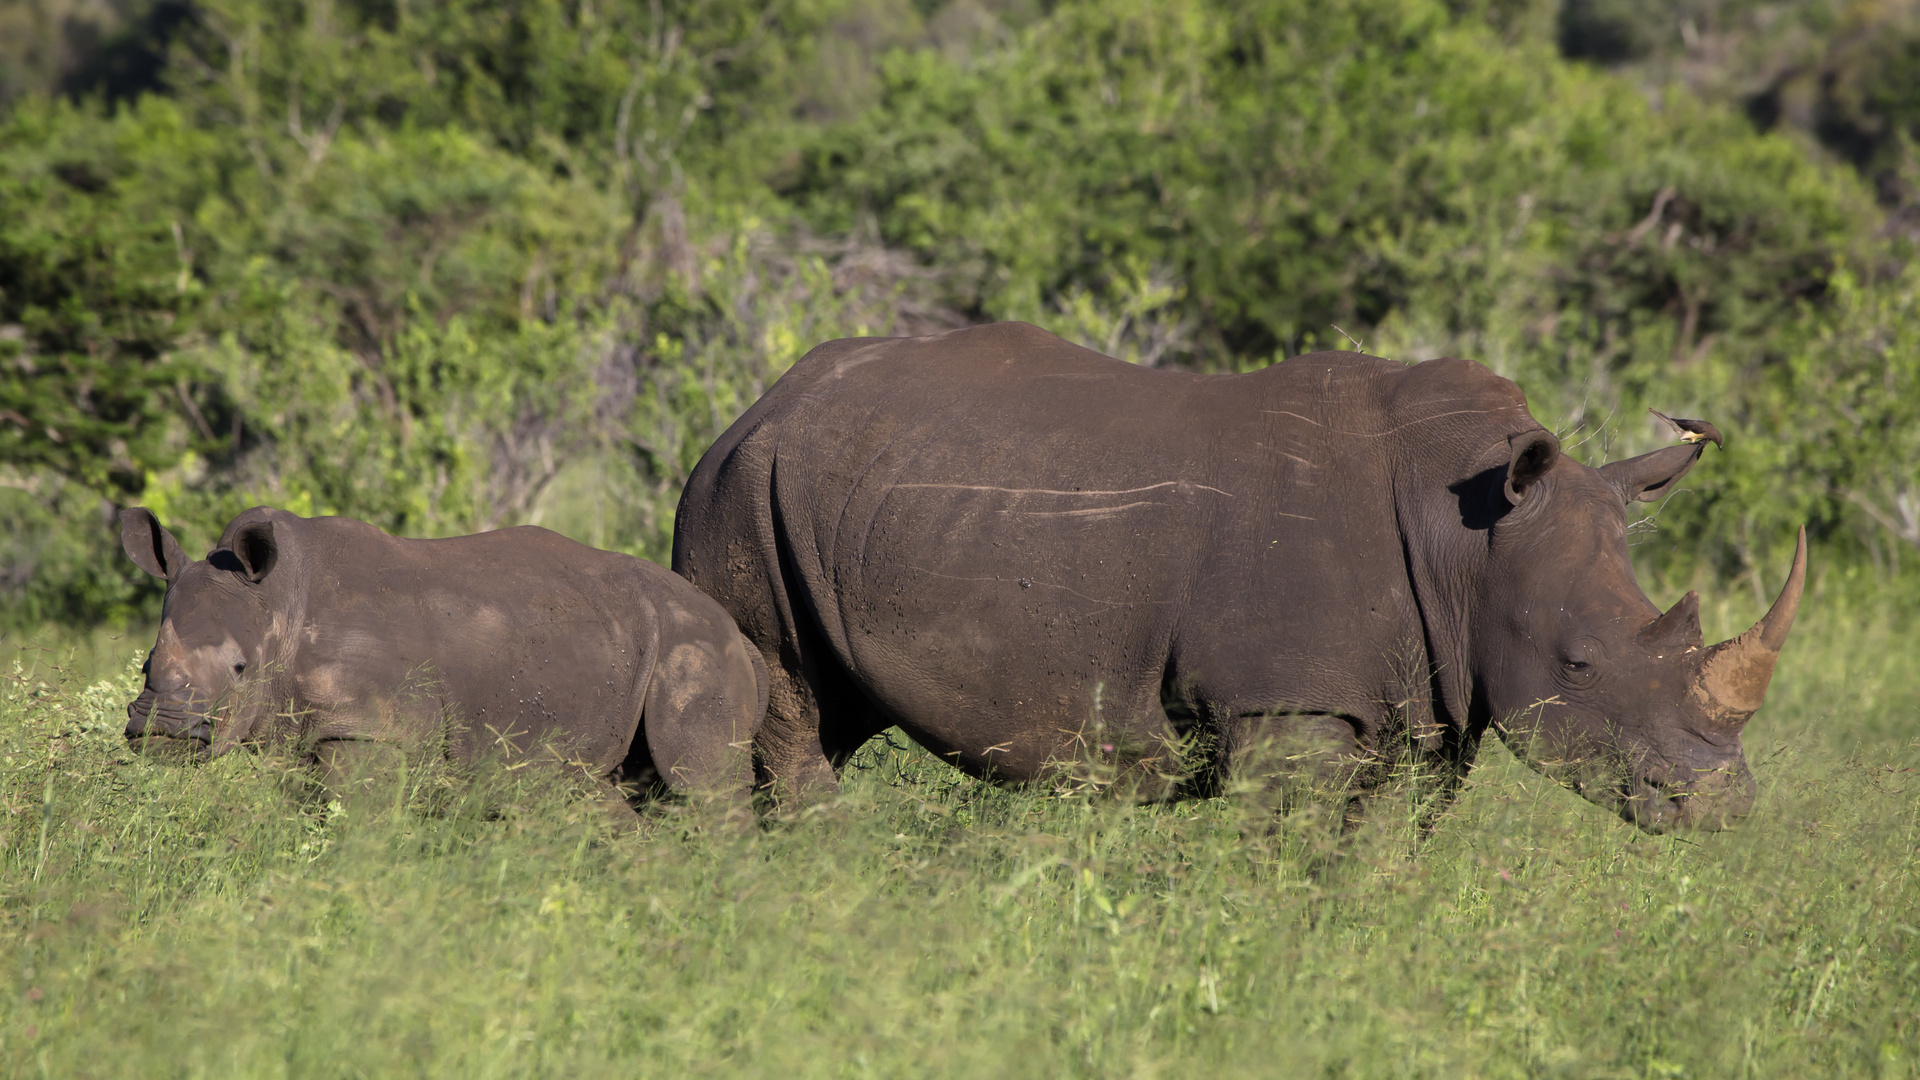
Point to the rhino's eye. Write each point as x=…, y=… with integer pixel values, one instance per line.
x=240, y=668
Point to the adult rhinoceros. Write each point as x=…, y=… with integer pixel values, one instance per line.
x=992, y=537
x=330, y=634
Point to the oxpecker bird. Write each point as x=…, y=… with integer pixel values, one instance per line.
x=1691, y=431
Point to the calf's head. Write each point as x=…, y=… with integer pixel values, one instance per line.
x=206, y=678
x=1589, y=682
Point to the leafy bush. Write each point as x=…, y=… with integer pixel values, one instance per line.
x=415, y=298
x=471, y=265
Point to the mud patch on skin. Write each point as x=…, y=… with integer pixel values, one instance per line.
x=324, y=685
x=1733, y=683
x=479, y=626
x=689, y=671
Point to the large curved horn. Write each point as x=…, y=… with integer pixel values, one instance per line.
x=1733, y=680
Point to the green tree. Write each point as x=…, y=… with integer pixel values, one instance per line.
x=97, y=289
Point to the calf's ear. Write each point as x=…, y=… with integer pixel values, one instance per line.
x=1651, y=476
x=151, y=547
x=256, y=549
x=1534, y=453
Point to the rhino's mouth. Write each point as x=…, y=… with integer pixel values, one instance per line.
x=164, y=722
x=1657, y=804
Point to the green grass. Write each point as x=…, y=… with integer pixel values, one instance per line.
x=218, y=921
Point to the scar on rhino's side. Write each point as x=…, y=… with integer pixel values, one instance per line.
x=1371, y=434
x=1092, y=511
x=1054, y=491
x=1044, y=584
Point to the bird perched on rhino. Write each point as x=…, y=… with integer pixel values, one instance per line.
x=1691, y=431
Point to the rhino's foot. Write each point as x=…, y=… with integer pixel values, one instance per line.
x=796, y=783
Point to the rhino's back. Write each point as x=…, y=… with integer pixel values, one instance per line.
x=520, y=631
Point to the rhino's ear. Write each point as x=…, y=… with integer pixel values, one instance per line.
x=256, y=550
x=151, y=547
x=1534, y=453
x=1651, y=476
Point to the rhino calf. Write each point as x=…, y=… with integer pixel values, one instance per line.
x=332, y=635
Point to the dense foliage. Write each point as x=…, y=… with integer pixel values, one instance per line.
x=447, y=267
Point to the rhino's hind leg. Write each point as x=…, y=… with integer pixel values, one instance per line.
x=790, y=761
x=701, y=711
x=815, y=722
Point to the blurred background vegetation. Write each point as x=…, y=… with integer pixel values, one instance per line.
x=466, y=264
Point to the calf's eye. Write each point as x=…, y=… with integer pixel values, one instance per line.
x=240, y=668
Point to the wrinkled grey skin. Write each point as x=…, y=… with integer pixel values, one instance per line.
x=330, y=634
x=1026, y=554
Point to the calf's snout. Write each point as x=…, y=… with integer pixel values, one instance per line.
x=154, y=715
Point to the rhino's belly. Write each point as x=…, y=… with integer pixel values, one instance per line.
x=1002, y=674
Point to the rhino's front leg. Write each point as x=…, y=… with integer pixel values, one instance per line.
x=361, y=771
x=1320, y=764
x=1293, y=763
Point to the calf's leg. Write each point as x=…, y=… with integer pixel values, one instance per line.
x=361, y=772
x=703, y=706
